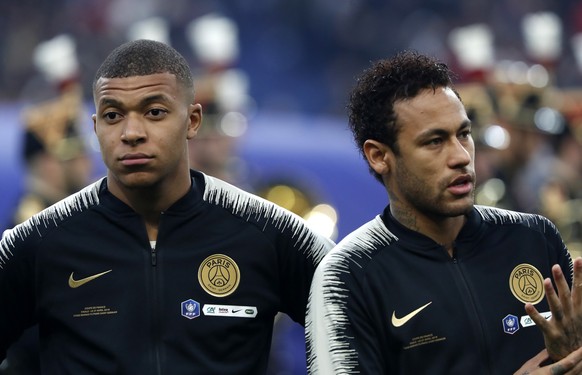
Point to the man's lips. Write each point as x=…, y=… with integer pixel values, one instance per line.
x=461, y=185
x=135, y=159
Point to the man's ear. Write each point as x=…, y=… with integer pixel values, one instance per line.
x=94, y=118
x=195, y=120
x=379, y=156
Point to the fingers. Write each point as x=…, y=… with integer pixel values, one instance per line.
x=577, y=282
x=562, y=286
x=554, y=302
x=533, y=363
x=538, y=319
x=562, y=333
x=570, y=365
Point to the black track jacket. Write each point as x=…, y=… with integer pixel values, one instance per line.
x=201, y=302
x=388, y=300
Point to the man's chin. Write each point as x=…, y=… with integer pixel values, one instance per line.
x=136, y=181
x=462, y=209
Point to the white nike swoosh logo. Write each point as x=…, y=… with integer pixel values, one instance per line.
x=397, y=322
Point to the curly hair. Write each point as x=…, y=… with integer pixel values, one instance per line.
x=145, y=57
x=371, y=104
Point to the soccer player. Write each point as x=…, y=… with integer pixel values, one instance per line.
x=436, y=284
x=155, y=268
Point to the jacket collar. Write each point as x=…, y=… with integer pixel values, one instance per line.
x=190, y=202
x=413, y=240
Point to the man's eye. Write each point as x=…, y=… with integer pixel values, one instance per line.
x=466, y=134
x=156, y=112
x=110, y=116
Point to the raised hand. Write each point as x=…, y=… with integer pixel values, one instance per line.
x=563, y=331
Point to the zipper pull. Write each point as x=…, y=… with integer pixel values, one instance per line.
x=154, y=257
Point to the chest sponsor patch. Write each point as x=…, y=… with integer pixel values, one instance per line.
x=219, y=275
x=526, y=283
x=230, y=311
x=526, y=321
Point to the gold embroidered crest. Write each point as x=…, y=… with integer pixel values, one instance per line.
x=219, y=275
x=526, y=283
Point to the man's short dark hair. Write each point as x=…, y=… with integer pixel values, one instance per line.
x=371, y=105
x=145, y=57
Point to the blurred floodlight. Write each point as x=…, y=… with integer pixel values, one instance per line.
x=576, y=43
x=517, y=72
x=214, y=39
x=549, y=120
x=56, y=58
x=496, y=137
x=473, y=46
x=500, y=71
x=232, y=89
x=233, y=124
x=538, y=76
x=154, y=28
x=543, y=35
x=322, y=219
x=492, y=192
x=285, y=196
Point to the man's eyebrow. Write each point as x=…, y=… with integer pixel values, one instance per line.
x=466, y=124
x=157, y=98
x=432, y=132
x=442, y=132
x=109, y=102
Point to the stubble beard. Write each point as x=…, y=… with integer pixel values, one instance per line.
x=421, y=197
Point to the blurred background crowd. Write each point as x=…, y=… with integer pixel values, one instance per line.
x=274, y=76
x=300, y=55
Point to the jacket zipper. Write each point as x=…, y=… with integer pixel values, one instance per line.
x=156, y=327
x=477, y=321
x=154, y=256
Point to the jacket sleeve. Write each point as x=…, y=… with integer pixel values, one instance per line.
x=560, y=254
x=300, y=250
x=17, y=296
x=340, y=335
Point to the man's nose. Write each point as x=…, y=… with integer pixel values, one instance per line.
x=461, y=154
x=134, y=130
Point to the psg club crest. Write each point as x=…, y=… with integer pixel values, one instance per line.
x=219, y=275
x=527, y=283
x=190, y=309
